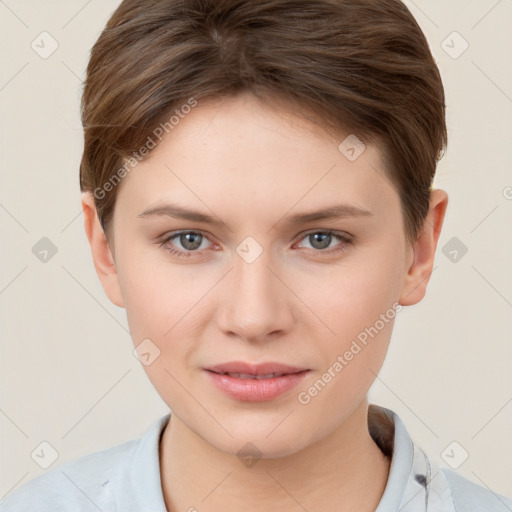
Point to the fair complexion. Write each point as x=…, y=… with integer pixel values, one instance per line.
x=301, y=302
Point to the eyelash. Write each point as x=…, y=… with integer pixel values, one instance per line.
x=345, y=241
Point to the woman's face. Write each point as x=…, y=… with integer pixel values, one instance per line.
x=261, y=281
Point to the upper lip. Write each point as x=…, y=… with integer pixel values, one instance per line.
x=255, y=369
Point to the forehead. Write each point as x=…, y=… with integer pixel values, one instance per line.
x=236, y=155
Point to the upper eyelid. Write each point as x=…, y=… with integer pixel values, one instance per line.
x=173, y=234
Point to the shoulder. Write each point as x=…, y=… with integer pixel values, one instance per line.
x=469, y=496
x=75, y=485
x=419, y=482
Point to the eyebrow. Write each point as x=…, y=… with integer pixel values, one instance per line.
x=332, y=212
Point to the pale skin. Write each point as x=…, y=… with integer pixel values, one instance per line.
x=298, y=303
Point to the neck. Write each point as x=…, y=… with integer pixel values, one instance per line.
x=345, y=471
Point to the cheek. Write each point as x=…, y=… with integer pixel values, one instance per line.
x=157, y=292
x=353, y=295
x=161, y=302
x=357, y=304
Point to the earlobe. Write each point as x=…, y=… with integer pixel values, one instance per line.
x=101, y=254
x=424, y=249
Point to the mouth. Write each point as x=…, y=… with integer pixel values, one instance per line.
x=255, y=382
x=264, y=370
x=245, y=376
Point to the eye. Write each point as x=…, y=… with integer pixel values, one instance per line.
x=320, y=240
x=191, y=241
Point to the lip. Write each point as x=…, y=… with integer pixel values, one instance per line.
x=255, y=389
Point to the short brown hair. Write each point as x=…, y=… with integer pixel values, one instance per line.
x=359, y=66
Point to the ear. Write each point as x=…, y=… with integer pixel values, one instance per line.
x=101, y=254
x=424, y=249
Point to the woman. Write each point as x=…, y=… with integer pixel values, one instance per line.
x=257, y=193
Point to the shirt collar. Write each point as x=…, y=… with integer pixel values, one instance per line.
x=414, y=482
x=145, y=493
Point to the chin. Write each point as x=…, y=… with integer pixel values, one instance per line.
x=258, y=444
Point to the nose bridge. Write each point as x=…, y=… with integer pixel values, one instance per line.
x=255, y=303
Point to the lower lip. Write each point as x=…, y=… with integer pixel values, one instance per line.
x=256, y=390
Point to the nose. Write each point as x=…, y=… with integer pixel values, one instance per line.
x=255, y=304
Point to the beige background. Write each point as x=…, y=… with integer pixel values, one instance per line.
x=68, y=375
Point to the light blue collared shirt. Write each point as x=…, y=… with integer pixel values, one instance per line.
x=126, y=478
